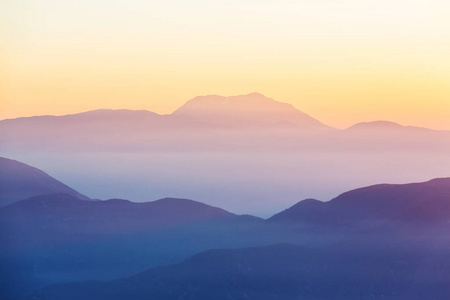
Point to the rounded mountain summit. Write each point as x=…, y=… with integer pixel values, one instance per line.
x=251, y=110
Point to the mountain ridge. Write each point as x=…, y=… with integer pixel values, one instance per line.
x=254, y=97
x=19, y=181
x=389, y=202
x=254, y=108
x=383, y=126
x=277, y=272
x=61, y=235
x=110, y=216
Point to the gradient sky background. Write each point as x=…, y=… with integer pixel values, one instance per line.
x=339, y=61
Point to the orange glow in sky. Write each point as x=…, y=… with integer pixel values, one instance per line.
x=342, y=62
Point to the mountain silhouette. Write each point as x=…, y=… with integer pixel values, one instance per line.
x=388, y=127
x=208, y=123
x=19, y=181
x=279, y=272
x=128, y=130
x=252, y=110
x=67, y=214
x=98, y=129
x=59, y=237
x=415, y=203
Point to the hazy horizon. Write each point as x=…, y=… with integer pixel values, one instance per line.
x=246, y=153
x=214, y=95
x=237, y=182
x=341, y=62
x=246, y=107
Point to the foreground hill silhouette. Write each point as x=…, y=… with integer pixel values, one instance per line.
x=60, y=238
x=281, y=272
x=54, y=237
x=420, y=204
x=66, y=214
x=19, y=181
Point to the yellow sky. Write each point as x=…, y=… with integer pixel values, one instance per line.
x=340, y=61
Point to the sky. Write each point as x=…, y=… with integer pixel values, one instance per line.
x=342, y=61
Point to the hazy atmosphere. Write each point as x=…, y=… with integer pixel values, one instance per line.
x=342, y=62
x=245, y=150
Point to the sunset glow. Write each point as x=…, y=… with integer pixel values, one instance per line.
x=341, y=62
x=238, y=149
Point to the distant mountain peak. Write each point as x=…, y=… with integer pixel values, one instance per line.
x=252, y=109
x=380, y=124
x=255, y=94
